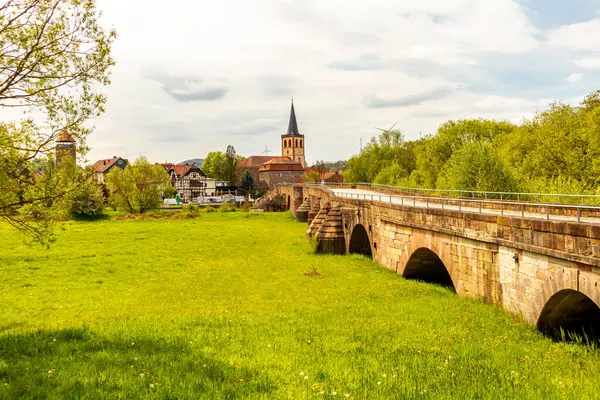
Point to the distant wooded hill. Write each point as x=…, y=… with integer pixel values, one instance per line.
x=333, y=165
x=198, y=161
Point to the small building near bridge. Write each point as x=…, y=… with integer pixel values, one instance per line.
x=281, y=171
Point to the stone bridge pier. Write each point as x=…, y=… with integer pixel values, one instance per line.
x=546, y=272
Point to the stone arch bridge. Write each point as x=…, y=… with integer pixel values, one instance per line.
x=542, y=263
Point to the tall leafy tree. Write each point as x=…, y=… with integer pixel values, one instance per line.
x=139, y=187
x=54, y=61
x=476, y=166
x=559, y=148
x=381, y=151
x=434, y=151
x=312, y=176
x=215, y=165
x=220, y=166
x=247, y=182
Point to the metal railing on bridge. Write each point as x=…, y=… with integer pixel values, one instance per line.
x=482, y=205
x=552, y=198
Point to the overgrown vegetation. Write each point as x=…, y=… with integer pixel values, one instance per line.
x=557, y=151
x=227, y=207
x=222, y=307
x=54, y=62
x=220, y=166
x=138, y=187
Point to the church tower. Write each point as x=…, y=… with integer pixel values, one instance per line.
x=65, y=148
x=292, y=143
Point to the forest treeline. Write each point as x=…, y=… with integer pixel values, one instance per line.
x=557, y=151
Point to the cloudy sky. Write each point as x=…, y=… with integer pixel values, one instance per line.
x=194, y=76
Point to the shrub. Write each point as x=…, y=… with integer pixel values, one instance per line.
x=246, y=206
x=86, y=200
x=191, y=210
x=227, y=207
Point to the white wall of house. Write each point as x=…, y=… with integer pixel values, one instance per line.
x=212, y=186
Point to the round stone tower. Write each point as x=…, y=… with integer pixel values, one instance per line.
x=65, y=149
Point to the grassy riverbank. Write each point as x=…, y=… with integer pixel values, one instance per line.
x=234, y=305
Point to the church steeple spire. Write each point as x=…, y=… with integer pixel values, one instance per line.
x=293, y=125
x=292, y=143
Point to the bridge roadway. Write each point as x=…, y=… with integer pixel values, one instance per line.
x=468, y=205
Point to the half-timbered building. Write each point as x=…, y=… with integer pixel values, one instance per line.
x=188, y=180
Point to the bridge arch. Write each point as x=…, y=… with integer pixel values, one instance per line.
x=360, y=242
x=568, y=314
x=425, y=265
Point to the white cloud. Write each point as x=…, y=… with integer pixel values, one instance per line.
x=224, y=72
x=588, y=63
x=574, y=77
x=579, y=36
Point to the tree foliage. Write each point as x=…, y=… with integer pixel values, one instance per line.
x=476, y=166
x=558, y=145
x=435, y=150
x=54, y=61
x=247, y=182
x=312, y=176
x=556, y=151
x=137, y=188
x=170, y=192
x=215, y=165
x=381, y=152
x=219, y=166
x=232, y=174
x=87, y=199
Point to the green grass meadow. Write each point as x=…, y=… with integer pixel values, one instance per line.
x=224, y=306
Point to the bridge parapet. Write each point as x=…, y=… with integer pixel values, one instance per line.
x=544, y=198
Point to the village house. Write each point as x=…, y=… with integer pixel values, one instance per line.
x=188, y=180
x=215, y=187
x=254, y=164
x=280, y=170
x=103, y=167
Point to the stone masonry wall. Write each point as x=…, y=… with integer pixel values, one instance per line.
x=512, y=262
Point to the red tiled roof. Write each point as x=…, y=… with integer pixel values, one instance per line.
x=180, y=170
x=65, y=137
x=103, y=165
x=281, y=164
x=257, y=161
x=167, y=166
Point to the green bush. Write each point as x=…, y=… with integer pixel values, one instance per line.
x=246, y=206
x=190, y=208
x=227, y=207
x=86, y=200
